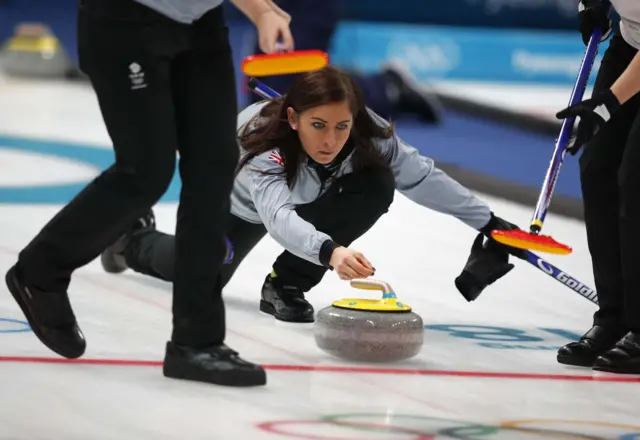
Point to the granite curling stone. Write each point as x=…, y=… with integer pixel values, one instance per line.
x=369, y=330
x=34, y=51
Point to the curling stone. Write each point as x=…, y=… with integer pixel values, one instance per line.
x=369, y=330
x=35, y=52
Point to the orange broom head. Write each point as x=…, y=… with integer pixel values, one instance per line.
x=525, y=240
x=284, y=63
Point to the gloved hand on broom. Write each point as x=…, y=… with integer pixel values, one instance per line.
x=596, y=112
x=592, y=14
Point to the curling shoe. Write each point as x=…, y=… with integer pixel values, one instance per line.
x=597, y=341
x=112, y=258
x=50, y=316
x=217, y=364
x=623, y=358
x=285, y=303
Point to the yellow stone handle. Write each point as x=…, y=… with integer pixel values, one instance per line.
x=369, y=284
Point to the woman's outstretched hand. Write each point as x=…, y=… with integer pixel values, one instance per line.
x=350, y=264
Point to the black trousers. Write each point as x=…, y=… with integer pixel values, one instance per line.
x=610, y=178
x=351, y=206
x=162, y=87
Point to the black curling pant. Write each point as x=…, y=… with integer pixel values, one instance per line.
x=163, y=87
x=350, y=207
x=610, y=178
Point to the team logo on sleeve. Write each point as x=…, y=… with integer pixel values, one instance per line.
x=276, y=158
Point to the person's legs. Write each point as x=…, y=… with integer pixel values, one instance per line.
x=625, y=356
x=351, y=206
x=125, y=49
x=629, y=180
x=599, y=165
x=206, y=112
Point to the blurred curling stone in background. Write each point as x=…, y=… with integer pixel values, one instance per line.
x=369, y=330
x=34, y=52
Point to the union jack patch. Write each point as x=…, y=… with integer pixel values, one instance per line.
x=276, y=158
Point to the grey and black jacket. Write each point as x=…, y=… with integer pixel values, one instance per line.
x=265, y=198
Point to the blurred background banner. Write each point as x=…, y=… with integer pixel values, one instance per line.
x=486, y=40
x=501, y=69
x=534, y=14
x=537, y=14
x=445, y=52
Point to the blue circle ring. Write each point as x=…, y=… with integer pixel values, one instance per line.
x=27, y=327
x=99, y=158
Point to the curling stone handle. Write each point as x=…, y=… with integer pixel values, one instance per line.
x=368, y=284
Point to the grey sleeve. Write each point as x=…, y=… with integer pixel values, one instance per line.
x=420, y=180
x=272, y=199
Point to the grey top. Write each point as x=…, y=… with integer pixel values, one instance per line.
x=183, y=11
x=629, y=11
x=266, y=199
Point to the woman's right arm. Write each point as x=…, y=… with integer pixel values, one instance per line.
x=272, y=200
x=271, y=22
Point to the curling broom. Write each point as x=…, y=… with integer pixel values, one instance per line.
x=283, y=63
x=532, y=240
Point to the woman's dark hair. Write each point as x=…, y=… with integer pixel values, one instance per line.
x=312, y=89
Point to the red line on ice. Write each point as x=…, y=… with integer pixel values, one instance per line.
x=342, y=369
